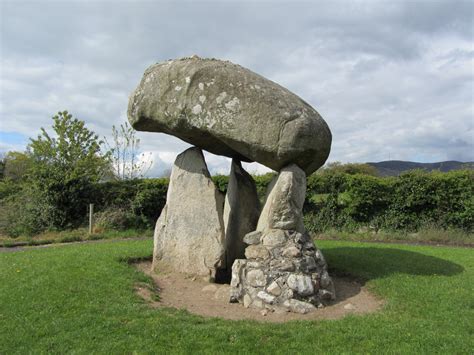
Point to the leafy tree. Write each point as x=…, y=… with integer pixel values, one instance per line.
x=65, y=168
x=16, y=165
x=124, y=153
x=349, y=168
x=2, y=165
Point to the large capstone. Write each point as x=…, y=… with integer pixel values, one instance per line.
x=189, y=234
x=241, y=212
x=229, y=110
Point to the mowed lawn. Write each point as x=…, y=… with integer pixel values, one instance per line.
x=80, y=298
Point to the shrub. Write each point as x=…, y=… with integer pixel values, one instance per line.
x=150, y=199
x=118, y=219
x=64, y=168
x=23, y=214
x=367, y=197
x=144, y=198
x=414, y=200
x=262, y=182
x=329, y=181
x=221, y=182
x=8, y=188
x=118, y=193
x=335, y=201
x=348, y=168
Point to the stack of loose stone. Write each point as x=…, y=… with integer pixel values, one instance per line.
x=283, y=269
x=229, y=110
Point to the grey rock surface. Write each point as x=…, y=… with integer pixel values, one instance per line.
x=256, y=278
x=247, y=301
x=256, y=252
x=241, y=212
x=274, y=289
x=189, y=234
x=302, y=284
x=229, y=110
x=252, y=237
x=274, y=237
x=267, y=298
x=282, y=280
x=283, y=208
x=297, y=306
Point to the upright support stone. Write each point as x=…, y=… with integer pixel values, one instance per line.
x=241, y=212
x=189, y=234
x=283, y=207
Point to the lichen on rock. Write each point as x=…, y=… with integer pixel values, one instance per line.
x=229, y=110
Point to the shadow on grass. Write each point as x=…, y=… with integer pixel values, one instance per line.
x=136, y=260
x=372, y=263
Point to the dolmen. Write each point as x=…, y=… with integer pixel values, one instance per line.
x=223, y=108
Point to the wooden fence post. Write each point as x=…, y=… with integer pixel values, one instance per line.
x=91, y=218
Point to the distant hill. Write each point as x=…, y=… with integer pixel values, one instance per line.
x=395, y=167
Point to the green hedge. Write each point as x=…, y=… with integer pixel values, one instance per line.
x=139, y=202
x=335, y=200
x=407, y=203
x=261, y=182
x=338, y=200
x=141, y=198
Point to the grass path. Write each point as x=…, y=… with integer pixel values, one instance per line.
x=71, y=236
x=10, y=249
x=79, y=298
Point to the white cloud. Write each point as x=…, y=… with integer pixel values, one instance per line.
x=391, y=79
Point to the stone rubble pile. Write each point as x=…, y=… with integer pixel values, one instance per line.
x=283, y=269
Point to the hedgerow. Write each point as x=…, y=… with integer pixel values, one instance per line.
x=405, y=203
x=335, y=201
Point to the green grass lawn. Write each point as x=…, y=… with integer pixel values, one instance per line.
x=79, y=298
x=431, y=236
x=70, y=236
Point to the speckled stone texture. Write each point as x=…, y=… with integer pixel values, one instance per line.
x=229, y=110
x=189, y=234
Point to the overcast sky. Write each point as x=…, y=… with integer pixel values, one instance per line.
x=393, y=79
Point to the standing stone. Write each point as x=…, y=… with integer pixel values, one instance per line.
x=283, y=207
x=241, y=212
x=189, y=234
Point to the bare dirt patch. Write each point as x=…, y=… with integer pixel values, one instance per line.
x=211, y=300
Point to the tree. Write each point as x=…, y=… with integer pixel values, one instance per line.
x=2, y=165
x=349, y=168
x=64, y=169
x=124, y=153
x=16, y=165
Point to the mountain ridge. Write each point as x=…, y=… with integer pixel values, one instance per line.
x=396, y=167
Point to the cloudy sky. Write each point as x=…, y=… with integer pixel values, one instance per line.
x=393, y=79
